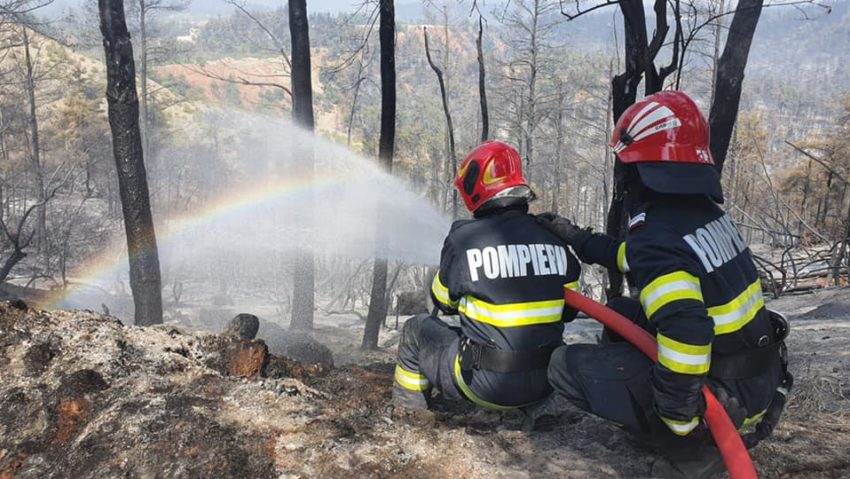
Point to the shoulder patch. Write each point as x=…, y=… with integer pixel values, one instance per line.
x=637, y=221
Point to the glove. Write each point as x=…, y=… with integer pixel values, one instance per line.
x=737, y=413
x=564, y=229
x=765, y=427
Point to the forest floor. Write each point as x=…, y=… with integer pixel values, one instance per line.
x=84, y=396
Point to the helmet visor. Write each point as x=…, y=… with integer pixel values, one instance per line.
x=682, y=179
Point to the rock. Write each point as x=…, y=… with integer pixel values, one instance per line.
x=307, y=350
x=411, y=302
x=243, y=326
x=19, y=304
x=297, y=345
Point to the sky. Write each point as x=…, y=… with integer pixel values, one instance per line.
x=219, y=6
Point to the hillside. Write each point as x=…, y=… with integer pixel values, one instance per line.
x=84, y=396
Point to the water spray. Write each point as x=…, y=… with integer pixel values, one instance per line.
x=249, y=214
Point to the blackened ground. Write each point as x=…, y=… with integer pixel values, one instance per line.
x=83, y=396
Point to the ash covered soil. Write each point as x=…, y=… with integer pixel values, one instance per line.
x=83, y=396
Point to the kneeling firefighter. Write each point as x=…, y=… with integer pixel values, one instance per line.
x=503, y=273
x=700, y=295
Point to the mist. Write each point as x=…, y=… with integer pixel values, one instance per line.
x=245, y=222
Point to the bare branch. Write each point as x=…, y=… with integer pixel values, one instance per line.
x=579, y=12
x=279, y=44
x=239, y=80
x=820, y=162
x=373, y=18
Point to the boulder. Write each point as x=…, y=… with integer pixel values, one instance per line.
x=243, y=326
x=411, y=302
x=296, y=345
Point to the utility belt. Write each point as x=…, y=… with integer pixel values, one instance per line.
x=477, y=356
x=753, y=362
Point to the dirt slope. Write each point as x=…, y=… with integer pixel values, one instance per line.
x=83, y=396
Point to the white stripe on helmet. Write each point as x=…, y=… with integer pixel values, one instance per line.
x=641, y=113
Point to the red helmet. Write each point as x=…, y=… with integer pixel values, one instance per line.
x=492, y=170
x=667, y=137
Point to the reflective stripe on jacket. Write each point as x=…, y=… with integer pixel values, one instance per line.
x=698, y=286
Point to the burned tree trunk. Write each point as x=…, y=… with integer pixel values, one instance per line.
x=123, y=109
x=640, y=54
x=302, y=113
x=623, y=95
x=35, y=151
x=10, y=262
x=482, y=85
x=378, y=297
x=144, y=113
x=450, y=129
x=730, y=77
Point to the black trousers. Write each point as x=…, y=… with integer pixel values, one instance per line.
x=426, y=354
x=427, y=358
x=612, y=380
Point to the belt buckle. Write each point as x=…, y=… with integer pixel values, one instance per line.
x=476, y=355
x=470, y=355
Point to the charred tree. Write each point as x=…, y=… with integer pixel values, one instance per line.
x=378, y=297
x=146, y=11
x=35, y=149
x=302, y=114
x=144, y=113
x=18, y=240
x=624, y=89
x=123, y=109
x=640, y=54
x=450, y=129
x=482, y=84
x=730, y=77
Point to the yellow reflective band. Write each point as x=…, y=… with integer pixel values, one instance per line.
x=441, y=293
x=736, y=314
x=412, y=381
x=752, y=421
x=683, y=358
x=573, y=286
x=622, y=262
x=681, y=428
x=663, y=290
x=514, y=314
x=470, y=395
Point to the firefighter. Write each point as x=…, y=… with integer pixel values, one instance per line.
x=700, y=296
x=503, y=273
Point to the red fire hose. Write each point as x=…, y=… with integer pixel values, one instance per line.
x=729, y=442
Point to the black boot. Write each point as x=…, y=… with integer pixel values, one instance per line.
x=702, y=463
x=544, y=415
x=410, y=399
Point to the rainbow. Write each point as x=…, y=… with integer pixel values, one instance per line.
x=228, y=205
